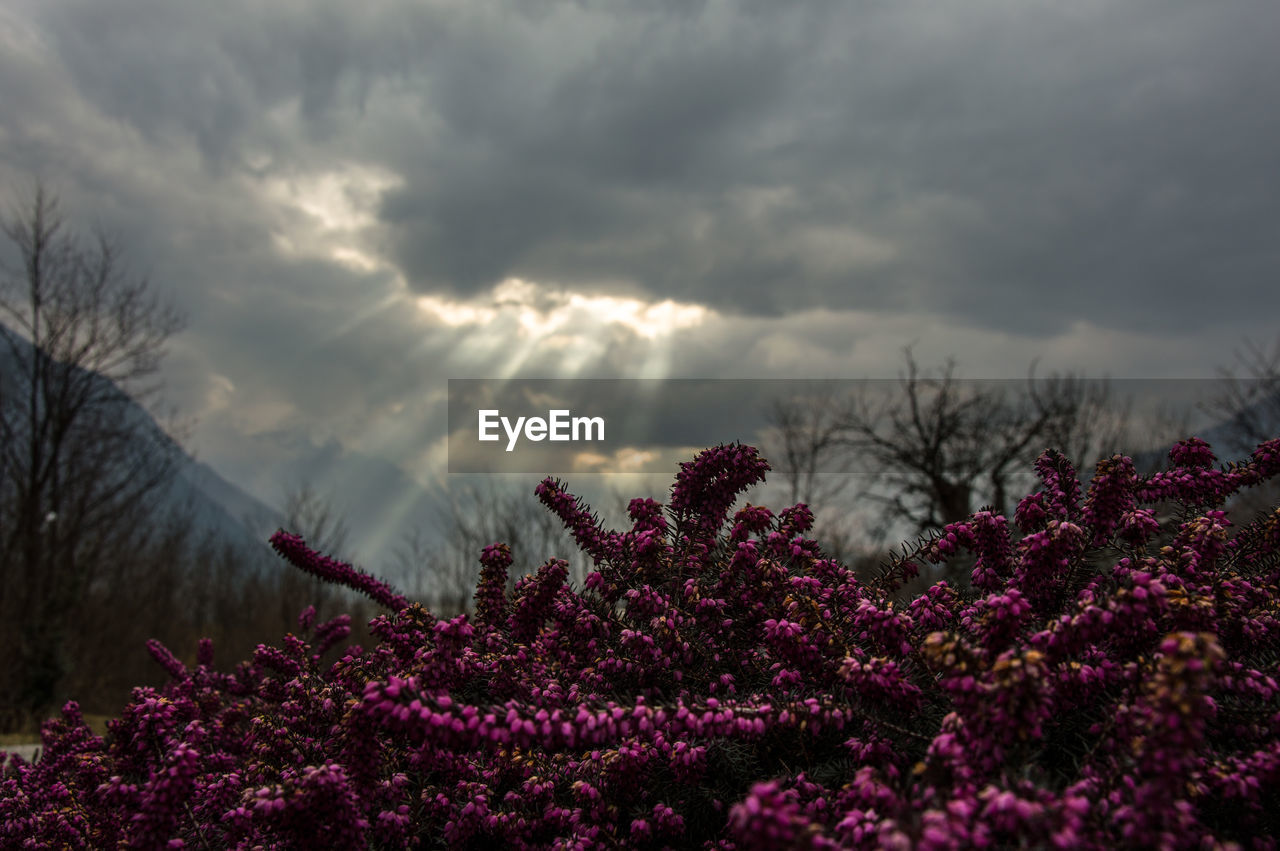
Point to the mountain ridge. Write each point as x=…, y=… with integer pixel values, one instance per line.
x=194, y=491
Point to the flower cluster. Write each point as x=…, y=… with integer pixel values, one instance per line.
x=1107, y=679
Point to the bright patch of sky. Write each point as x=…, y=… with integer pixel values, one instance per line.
x=326, y=215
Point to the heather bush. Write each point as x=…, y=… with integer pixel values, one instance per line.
x=1107, y=679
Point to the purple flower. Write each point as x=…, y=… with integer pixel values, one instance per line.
x=293, y=549
x=1095, y=686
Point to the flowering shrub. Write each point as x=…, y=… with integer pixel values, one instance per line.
x=718, y=682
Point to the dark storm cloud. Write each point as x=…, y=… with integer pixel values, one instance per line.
x=208, y=73
x=1011, y=166
x=1022, y=168
x=578, y=172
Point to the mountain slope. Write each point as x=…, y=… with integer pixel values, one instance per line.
x=216, y=508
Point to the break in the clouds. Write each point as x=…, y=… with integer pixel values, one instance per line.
x=354, y=202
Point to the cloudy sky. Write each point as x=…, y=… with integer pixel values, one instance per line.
x=353, y=202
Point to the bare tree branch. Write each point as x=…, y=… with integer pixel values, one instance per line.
x=1251, y=403
x=78, y=473
x=937, y=448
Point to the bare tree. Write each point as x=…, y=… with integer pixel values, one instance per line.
x=807, y=448
x=1251, y=403
x=311, y=515
x=809, y=443
x=1084, y=421
x=432, y=571
x=78, y=470
x=938, y=448
x=440, y=563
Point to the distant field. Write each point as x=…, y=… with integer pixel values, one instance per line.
x=27, y=745
x=97, y=723
x=28, y=752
